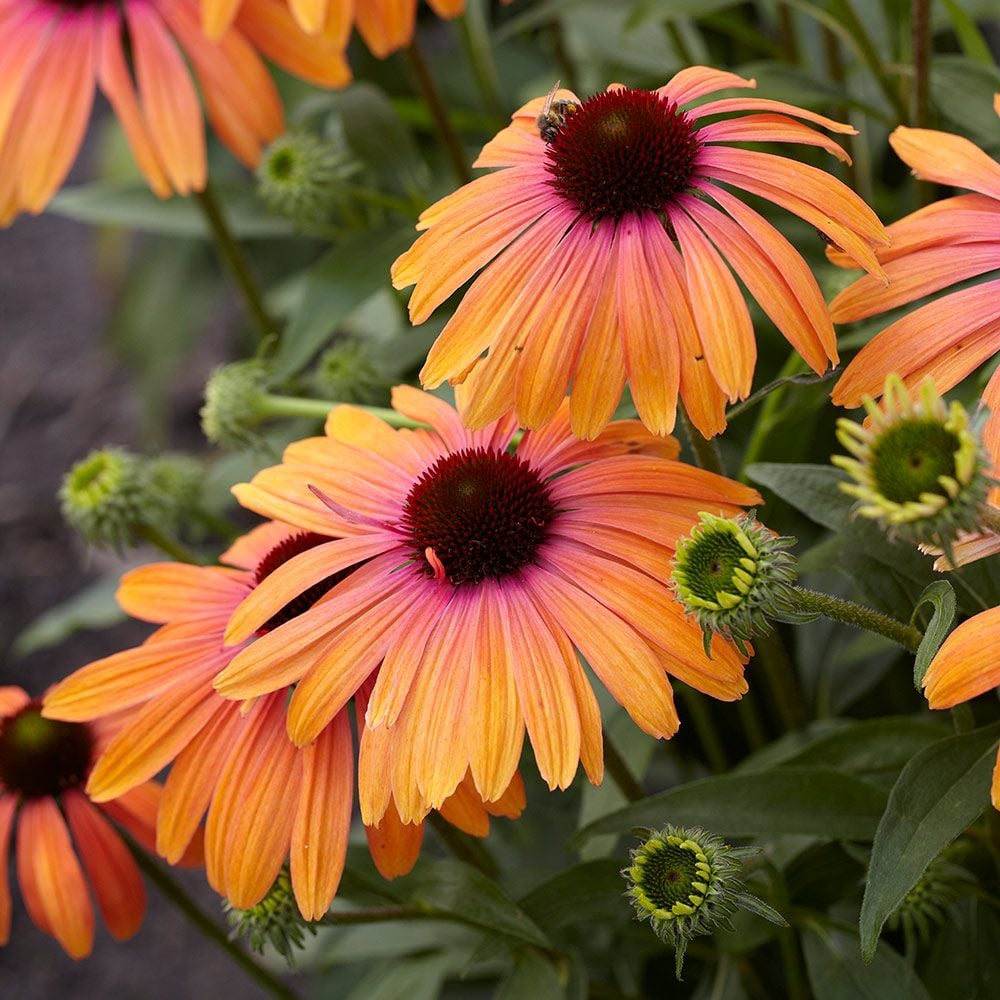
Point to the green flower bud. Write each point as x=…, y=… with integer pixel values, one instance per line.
x=347, y=373
x=925, y=905
x=233, y=408
x=687, y=883
x=733, y=575
x=296, y=176
x=106, y=496
x=177, y=480
x=918, y=468
x=274, y=921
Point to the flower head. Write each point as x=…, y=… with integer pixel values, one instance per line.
x=267, y=800
x=965, y=667
x=62, y=52
x=296, y=175
x=232, y=410
x=918, y=467
x=613, y=245
x=274, y=921
x=44, y=766
x=949, y=241
x=733, y=575
x=687, y=883
x=483, y=571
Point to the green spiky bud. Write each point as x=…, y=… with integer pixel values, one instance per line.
x=918, y=468
x=234, y=403
x=687, y=883
x=106, y=496
x=274, y=921
x=925, y=905
x=177, y=480
x=346, y=372
x=297, y=173
x=733, y=575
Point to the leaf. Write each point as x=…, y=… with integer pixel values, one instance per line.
x=94, y=607
x=969, y=36
x=812, y=801
x=589, y=891
x=836, y=971
x=938, y=794
x=418, y=978
x=812, y=489
x=942, y=597
x=533, y=976
x=962, y=91
x=337, y=283
x=456, y=889
x=964, y=960
x=132, y=205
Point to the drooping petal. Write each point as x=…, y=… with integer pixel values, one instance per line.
x=966, y=665
x=947, y=159
x=697, y=81
x=393, y=844
x=8, y=806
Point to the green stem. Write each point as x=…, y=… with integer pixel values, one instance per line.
x=567, y=71
x=208, y=927
x=218, y=524
x=399, y=205
x=165, y=543
x=786, y=27
x=753, y=728
x=234, y=260
x=620, y=773
x=850, y=613
x=787, y=939
x=475, y=33
x=679, y=43
x=429, y=92
x=705, y=450
x=920, y=35
x=781, y=680
x=468, y=849
x=705, y=728
x=769, y=413
x=271, y=407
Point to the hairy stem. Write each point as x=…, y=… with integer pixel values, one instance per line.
x=850, y=613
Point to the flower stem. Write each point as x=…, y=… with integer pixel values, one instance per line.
x=770, y=653
x=468, y=849
x=620, y=773
x=158, y=875
x=429, y=92
x=235, y=261
x=920, y=35
x=474, y=29
x=293, y=407
x=705, y=728
x=706, y=450
x=850, y=613
x=168, y=545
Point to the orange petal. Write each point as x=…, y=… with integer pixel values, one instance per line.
x=217, y=16
x=697, y=81
x=8, y=806
x=11, y=699
x=966, y=665
x=323, y=818
x=52, y=884
x=947, y=159
x=385, y=25
x=112, y=870
x=166, y=592
x=394, y=845
x=766, y=105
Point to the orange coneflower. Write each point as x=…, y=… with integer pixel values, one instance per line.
x=54, y=55
x=43, y=768
x=486, y=570
x=615, y=241
x=947, y=339
x=966, y=666
x=267, y=800
x=385, y=25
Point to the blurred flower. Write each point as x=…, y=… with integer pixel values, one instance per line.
x=233, y=408
x=588, y=285
x=58, y=54
x=347, y=373
x=267, y=800
x=966, y=666
x=949, y=241
x=733, y=575
x=484, y=570
x=687, y=883
x=296, y=175
x=917, y=466
x=43, y=768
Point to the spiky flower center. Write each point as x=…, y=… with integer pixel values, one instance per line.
x=671, y=875
x=711, y=562
x=477, y=514
x=278, y=556
x=910, y=458
x=42, y=757
x=623, y=151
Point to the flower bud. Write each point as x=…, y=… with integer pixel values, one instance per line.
x=274, y=921
x=687, y=883
x=296, y=175
x=918, y=467
x=234, y=396
x=176, y=480
x=347, y=373
x=733, y=575
x=925, y=905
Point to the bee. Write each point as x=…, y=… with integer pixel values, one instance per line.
x=554, y=114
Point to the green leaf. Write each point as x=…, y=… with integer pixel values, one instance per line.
x=812, y=489
x=963, y=90
x=94, y=607
x=533, y=976
x=337, y=283
x=132, y=205
x=938, y=794
x=812, y=801
x=589, y=891
x=969, y=36
x=942, y=597
x=418, y=978
x=836, y=971
x=456, y=889
x=964, y=960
